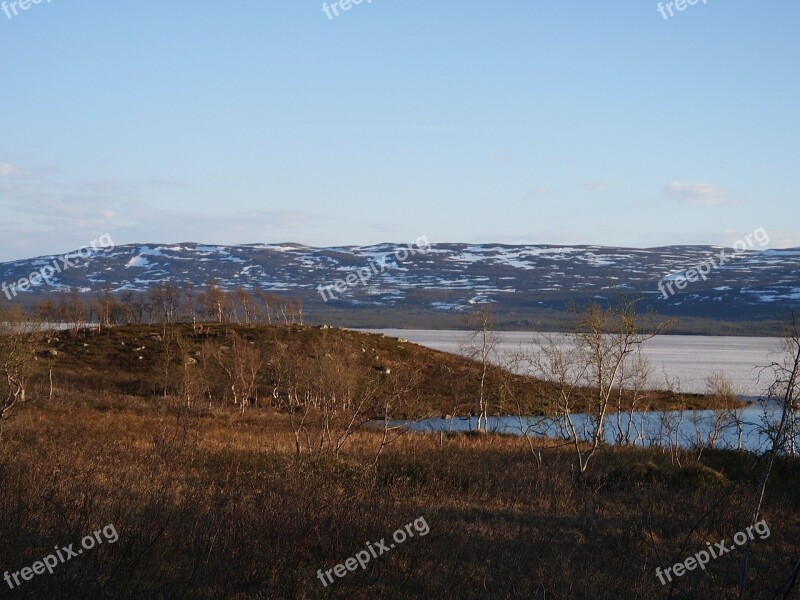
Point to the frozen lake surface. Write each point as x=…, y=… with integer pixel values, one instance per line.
x=689, y=358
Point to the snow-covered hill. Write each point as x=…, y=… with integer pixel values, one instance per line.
x=448, y=277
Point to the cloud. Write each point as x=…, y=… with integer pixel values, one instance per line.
x=532, y=194
x=9, y=170
x=597, y=186
x=699, y=194
x=164, y=183
x=45, y=214
x=72, y=223
x=783, y=239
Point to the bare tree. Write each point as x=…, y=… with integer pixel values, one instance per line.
x=632, y=396
x=396, y=396
x=165, y=300
x=481, y=347
x=327, y=397
x=245, y=301
x=725, y=415
x=785, y=391
x=72, y=310
x=241, y=362
x=189, y=303
x=46, y=311
x=266, y=300
x=190, y=382
x=214, y=302
x=133, y=308
x=20, y=340
x=107, y=309
x=590, y=367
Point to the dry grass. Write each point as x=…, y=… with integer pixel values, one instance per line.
x=210, y=502
x=215, y=505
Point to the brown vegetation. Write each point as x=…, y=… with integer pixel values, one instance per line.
x=131, y=360
x=218, y=505
x=237, y=460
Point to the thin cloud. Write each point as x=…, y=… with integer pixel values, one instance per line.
x=784, y=240
x=699, y=194
x=597, y=186
x=9, y=170
x=532, y=194
x=164, y=183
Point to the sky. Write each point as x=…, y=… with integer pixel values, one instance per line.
x=517, y=122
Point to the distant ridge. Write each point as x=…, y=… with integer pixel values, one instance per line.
x=449, y=278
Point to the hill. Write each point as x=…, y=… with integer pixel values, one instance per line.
x=146, y=361
x=432, y=286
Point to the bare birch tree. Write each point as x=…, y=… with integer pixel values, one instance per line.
x=590, y=367
x=20, y=340
x=785, y=391
x=481, y=347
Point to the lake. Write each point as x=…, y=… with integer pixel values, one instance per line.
x=688, y=358
x=746, y=429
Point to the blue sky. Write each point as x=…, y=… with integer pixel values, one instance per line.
x=515, y=122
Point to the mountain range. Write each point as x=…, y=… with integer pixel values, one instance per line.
x=442, y=279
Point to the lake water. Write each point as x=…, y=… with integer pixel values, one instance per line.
x=689, y=359
x=747, y=429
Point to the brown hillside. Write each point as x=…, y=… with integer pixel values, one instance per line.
x=130, y=361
